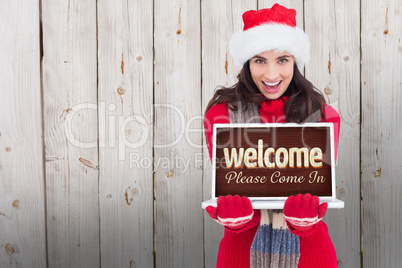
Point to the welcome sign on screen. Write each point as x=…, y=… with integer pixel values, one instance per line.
x=273, y=161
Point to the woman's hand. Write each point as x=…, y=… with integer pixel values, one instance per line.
x=233, y=212
x=303, y=211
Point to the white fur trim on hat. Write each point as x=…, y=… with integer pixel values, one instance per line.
x=246, y=44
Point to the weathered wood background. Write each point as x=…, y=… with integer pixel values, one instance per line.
x=102, y=156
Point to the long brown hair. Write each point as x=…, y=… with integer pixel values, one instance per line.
x=304, y=101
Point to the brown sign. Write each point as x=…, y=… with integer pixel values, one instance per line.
x=273, y=161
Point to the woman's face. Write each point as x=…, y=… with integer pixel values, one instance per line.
x=272, y=72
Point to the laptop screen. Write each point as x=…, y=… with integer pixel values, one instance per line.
x=273, y=161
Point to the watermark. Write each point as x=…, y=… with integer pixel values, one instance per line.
x=136, y=131
x=180, y=164
x=131, y=133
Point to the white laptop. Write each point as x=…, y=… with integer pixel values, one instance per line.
x=269, y=162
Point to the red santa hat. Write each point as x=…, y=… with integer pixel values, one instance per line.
x=270, y=29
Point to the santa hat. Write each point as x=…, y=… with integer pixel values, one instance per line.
x=270, y=29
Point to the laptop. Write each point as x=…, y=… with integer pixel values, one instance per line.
x=268, y=162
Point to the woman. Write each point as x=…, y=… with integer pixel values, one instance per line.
x=271, y=89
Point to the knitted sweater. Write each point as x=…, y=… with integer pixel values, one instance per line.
x=316, y=248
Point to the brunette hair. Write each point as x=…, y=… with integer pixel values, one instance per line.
x=304, y=101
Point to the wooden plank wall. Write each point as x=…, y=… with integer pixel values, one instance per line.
x=103, y=161
x=22, y=191
x=177, y=184
x=381, y=131
x=69, y=82
x=125, y=97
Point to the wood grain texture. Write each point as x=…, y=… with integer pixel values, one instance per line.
x=71, y=132
x=220, y=19
x=381, y=133
x=178, y=182
x=22, y=199
x=125, y=62
x=333, y=28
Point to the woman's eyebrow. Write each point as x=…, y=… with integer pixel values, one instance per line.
x=259, y=57
x=278, y=58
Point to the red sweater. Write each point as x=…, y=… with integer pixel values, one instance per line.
x=316, y=248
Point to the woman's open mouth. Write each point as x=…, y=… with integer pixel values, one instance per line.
x=272, y=87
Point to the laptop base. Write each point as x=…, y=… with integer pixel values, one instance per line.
x=278, y=204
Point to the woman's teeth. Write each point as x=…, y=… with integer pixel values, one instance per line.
x=272, y=87
x=271, y=84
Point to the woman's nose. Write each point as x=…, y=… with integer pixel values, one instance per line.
x=271, y=73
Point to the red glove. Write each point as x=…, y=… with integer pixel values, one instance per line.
x=303, y=211
x=233, y=212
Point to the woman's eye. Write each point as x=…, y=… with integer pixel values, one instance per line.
x=259, y=61
x=283, y=61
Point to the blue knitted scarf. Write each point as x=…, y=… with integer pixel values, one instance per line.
x=274, y=245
